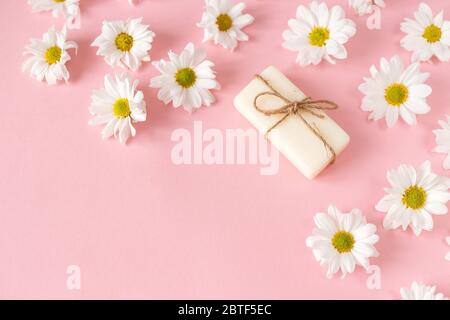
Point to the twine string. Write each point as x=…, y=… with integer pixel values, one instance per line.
x=295, y=108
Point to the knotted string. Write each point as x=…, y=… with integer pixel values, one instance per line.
x=295, y=108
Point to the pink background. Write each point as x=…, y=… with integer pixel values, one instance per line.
x=141, y=227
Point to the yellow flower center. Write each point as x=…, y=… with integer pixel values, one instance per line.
x=186, y=77
x=124, y=42
x=53, y=55
x=121, y=108
x=343, y=241
x=59, y=1
x=318, y=36
x=432, y=33
x=224, y=22
x=414, y=197
x=396, y=94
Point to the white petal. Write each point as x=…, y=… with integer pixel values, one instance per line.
x=325, y=222
x=391, y=116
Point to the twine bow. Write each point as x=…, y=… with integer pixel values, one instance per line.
x=295, y=108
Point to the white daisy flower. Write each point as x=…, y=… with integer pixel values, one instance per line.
x=49, y=56
x=394, y=91
x=421, y=292
x=317, y=33
x=69, y=8
x=343, y=240
x=415, y=195
x=186, y=79
x=447, y=256
x=118, y=105
x=443, y=140
x=427, y=36
x=363, y=7
x=223, y=23
x=125, y=43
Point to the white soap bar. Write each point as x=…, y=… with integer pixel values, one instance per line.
x=292, y=137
